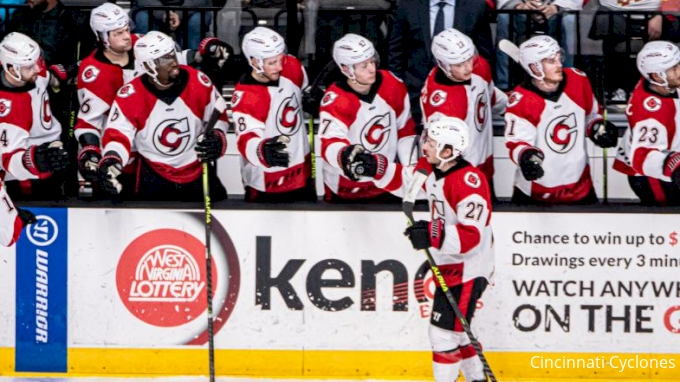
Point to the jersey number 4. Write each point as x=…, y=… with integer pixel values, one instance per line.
x=3, y=138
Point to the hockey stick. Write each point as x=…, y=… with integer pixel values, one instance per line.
x=407, y=207
x=315, y=84
x=509, y=48
x=208, y=253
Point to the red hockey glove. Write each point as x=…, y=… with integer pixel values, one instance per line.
x=436, y=230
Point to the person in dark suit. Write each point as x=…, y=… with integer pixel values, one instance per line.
x=410, y=56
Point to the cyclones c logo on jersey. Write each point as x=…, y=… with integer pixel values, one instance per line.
x=652, y=104
x=472, y=179
x=562, y=133
x=90, y=74
x=438, y=97
x=45, y=112
x=288, y=119
x=5, y=107
x=236, y=97
x=171, y=137
x=480, y=112
x=375, y=134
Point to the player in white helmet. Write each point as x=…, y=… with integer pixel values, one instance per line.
x=649, y=152
x=367, y=133
x=107, y=69
x=32, y=153
x=460, y=242
x=461, y=86
x=163, y=114
x=267, y=113
x=548, y=118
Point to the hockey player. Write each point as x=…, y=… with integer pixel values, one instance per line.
x=649, y=152
x=460, y=239
x=548, y=118
x=461, y=86
x=106, y=70
x=27, y=127
x=366, y=126
x=162, y=114
x=267, y=114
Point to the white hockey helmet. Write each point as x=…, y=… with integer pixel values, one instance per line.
x=262, y=43
x=449, y=131
x=150, y=48
x=352, y=49
x=106, y=18
x=452, y=47
x=536, y=49
x=657, y=57
x=18, y=51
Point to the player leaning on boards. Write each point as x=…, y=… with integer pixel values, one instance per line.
x=366, y=128
x=111, y=65
x=461, y=86
x=649, y=152
x=267, y=115
x=162, y=114
x=459, y=238
x=33, y=156
x=547, y=121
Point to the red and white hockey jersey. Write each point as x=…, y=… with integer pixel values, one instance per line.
x=461, y=199
x=262, y=111
x=651, y=135
x=632, y=5
x=98, y=82
x=379, y=121
x=25, y=120
x=558, y=126
x=164, y=126
x=471, y=101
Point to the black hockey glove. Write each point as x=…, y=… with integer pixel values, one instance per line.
x=110, y=167
x=604, y=134
x=419, y=234
x=311, y=99
x=272, y=151
x=347, y=156
x=215, y=49
x=89, y=156
x=371, y=165
x=530, y=161
x=211, y=147
x=44, y=159
x=671, y=168
x=26, y=216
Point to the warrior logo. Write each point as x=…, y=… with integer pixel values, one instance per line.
x=45, y=112
x=481, y=107
x=562, y=133
x=172, y=136
x=376, y=133
x=288, y=119
x=89, y=74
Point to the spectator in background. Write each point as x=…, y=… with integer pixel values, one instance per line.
x=617, y=32
x=417, y=22
x=4, y=12
x=186, y=27
x=549, y=19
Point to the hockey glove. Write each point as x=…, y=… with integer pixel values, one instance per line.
x=371, y=165
x=211, y=147
x=26, y=216
x=215, y=49
x=88, y=162
x=44, y=159
x=110, y=167
x=272, y=151
x=63, y=73
x=311, y=99
x=347, y=157
x=604, y=134
x=671, y=168
x=530, y=161
x=419, y=234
